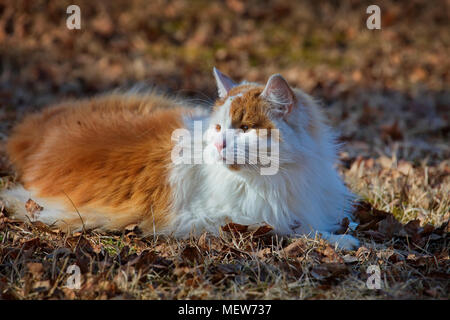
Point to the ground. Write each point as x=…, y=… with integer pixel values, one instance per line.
x=385, y=91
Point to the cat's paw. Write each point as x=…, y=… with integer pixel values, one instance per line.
x=348, y=242
x=343, y=241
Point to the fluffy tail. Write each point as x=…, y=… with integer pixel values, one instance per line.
x=16, y=201
x=62, y=213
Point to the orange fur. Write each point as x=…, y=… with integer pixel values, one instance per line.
x=109, y=154
x=250, y=110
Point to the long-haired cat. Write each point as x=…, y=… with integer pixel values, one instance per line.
x=110, y=161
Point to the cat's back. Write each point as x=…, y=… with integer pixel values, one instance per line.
x=106, y=109
x=86, y=137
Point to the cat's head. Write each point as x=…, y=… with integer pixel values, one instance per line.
x=255, y=126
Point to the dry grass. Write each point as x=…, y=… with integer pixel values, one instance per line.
x=408, y=192
x=386, y=92
x=34, y=261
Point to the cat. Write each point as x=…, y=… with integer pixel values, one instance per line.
x=108, y=162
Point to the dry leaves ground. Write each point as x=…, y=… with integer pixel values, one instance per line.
x=386, y=92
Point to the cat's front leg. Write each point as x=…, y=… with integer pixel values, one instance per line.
x=343, y=241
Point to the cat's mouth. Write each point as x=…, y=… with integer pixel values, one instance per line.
x=264, y=165
x=234, y=161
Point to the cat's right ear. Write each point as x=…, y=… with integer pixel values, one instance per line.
x=224, y=83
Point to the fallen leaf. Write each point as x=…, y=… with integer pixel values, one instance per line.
x=31, y=243
x=191, y=254
x=234, y=227
x=343, y=226
x=330, y=255
x=33, y=208
x=262, y=230
x=296, y=248
x=385, y=162
x=391, y=131
x=36, y=269
x=390, y=227
x=328, y=270
x=405, y=167
x=202, y=242
x=144, y=260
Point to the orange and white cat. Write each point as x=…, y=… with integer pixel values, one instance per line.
x=108, y=162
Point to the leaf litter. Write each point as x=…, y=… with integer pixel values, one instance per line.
x=388, y=102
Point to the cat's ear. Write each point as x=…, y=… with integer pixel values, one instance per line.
x=224, y=83
x=278, y=92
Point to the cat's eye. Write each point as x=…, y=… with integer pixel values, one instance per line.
x=244, y=128
x=218, y=127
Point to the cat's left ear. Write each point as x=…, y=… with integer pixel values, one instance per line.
x=278, y=92
x=224, y=83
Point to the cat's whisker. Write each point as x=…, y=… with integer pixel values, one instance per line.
x=207, y=99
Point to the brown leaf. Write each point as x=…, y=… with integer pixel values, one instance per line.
x=36, y=269
x=405, y=167
x=234, y=227
x=412, y=227
x=32, y=243
x=391, y=131
x=264, y=253
x=427, y=230
x=103, y=25
x=296, y=248
x=124, y=254
x=145, y=259
x=344, y=226
x=69, y=294
x=371, y=225
x=385, y=254
x=223, y=270
x=262, y=230
x=182, y=270
x=385, y=162
x=228, y=268
x=366, y=213
x=191, y=254
x=443, y=229
x=42, y=227
x=328, y=270
x=390, y=227
x=375, y=235
x=202, y=242
x=207, y=242
x=33, y=208
x=236, y=5
x=363, y=253
x=330, y=255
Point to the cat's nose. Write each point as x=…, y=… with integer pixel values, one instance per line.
x=220, y=145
